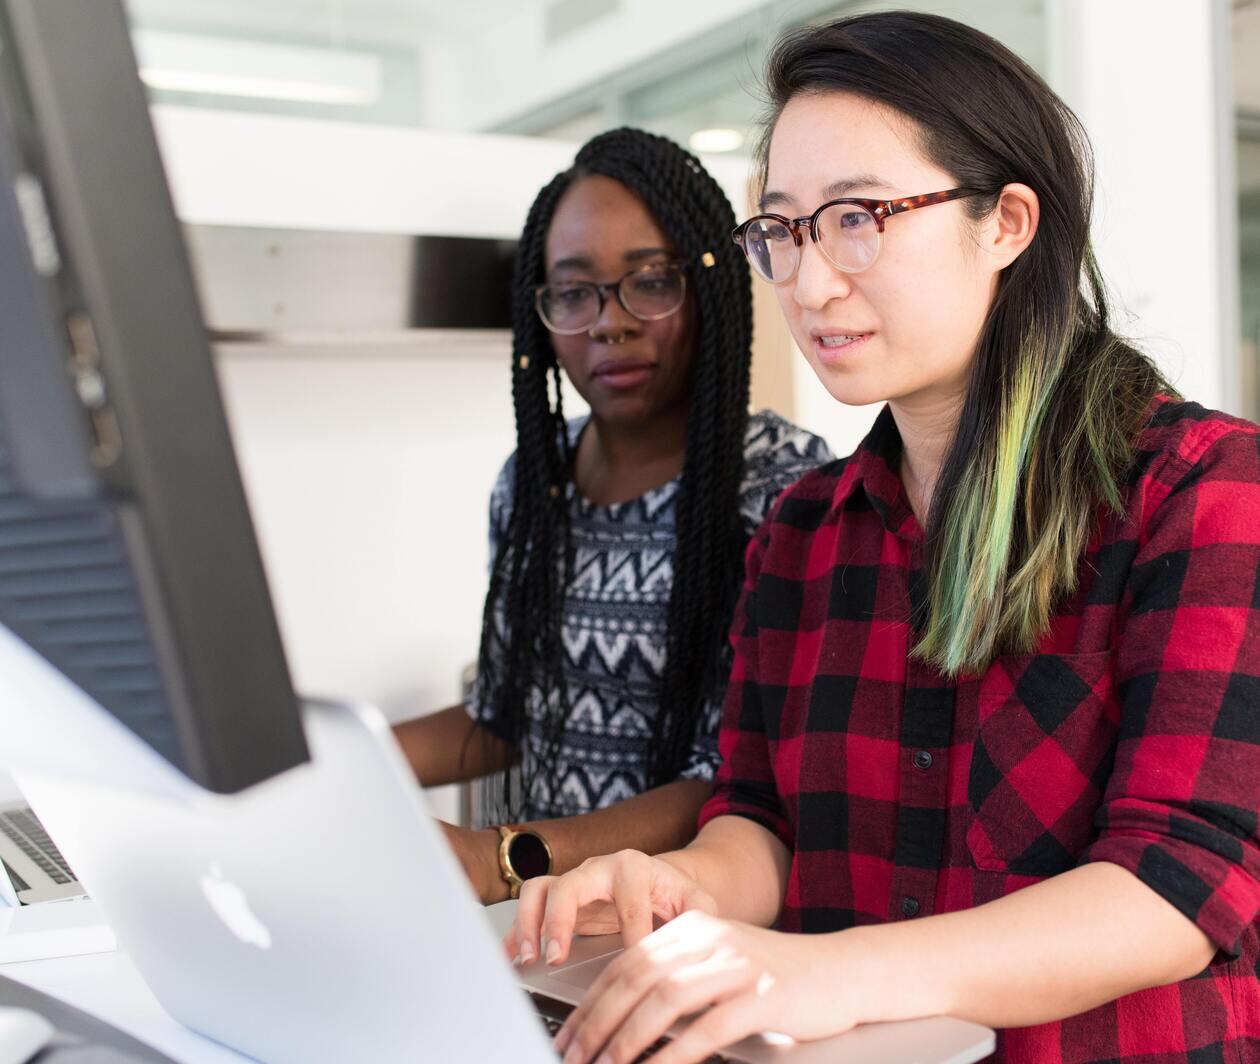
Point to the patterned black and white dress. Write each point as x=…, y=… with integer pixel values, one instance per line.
x=615, y=619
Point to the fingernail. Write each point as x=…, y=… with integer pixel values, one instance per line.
x=562, y=1040
x=527, y=953
x=553, y=951
x=574, y=1055
x=604, y=1058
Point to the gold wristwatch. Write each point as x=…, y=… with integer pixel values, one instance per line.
x=523, y=854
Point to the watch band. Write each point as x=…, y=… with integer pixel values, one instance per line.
x=523, y=854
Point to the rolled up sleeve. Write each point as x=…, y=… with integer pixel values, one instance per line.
x=1181, y=806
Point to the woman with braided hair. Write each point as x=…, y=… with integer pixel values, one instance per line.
x=617, y=540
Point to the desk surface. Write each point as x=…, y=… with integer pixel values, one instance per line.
x=107, y=985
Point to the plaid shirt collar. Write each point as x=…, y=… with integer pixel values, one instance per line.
x=874, y=469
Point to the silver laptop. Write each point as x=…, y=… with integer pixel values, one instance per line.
x=32, y=869
x=320, y=916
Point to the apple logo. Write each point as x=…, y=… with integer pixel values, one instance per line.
x=232, y=907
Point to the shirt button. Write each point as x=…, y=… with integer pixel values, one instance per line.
x=909, y=906
x=922, y=759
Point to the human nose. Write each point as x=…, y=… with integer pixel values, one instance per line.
x=614, y=319
x=817, y=281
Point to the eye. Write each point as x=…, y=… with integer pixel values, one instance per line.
x=568, y=295
x=854, y=219
x=653, y=283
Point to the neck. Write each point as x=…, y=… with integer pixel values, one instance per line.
x=926, y=426
x=617, y=461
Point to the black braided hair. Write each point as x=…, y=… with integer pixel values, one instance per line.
x=524, y=606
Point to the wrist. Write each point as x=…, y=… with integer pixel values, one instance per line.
x=522, y=854
x=889, y=975
x=491, y=885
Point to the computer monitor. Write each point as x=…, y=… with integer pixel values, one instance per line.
x=127, y=557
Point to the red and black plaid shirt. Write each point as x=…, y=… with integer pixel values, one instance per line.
x=1132, y=736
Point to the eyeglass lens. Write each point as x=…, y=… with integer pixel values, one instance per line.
x=649, y=293
x=848, y=236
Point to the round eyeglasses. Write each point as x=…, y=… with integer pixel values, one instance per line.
x=848, y=232
x=648, y=293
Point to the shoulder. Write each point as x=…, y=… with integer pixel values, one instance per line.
x=505, y=483
x=1184, y=438
x=501, y=496
x=806, y=503
x=771, y=440
x=1198, y=466
x=776, y=453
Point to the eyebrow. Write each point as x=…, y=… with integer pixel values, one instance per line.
x=836, y=190
x=583, y=262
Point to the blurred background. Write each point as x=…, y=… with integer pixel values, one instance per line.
x=311, y=142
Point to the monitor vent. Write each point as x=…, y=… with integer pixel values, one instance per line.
x=67, y=590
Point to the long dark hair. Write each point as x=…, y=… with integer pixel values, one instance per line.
x=1056, y=399
x=521, y=646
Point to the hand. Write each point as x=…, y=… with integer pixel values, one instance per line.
x=478, y=852
x=626, y=892
x=749, y=980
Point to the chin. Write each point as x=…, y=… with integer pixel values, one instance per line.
x=630, y=410
x=851, y=389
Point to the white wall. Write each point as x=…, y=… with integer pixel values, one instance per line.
x=1150, y=80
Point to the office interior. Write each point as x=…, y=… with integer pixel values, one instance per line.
x=310, y=144
x=290, y=193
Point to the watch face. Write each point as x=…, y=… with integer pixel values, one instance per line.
x=529, y=856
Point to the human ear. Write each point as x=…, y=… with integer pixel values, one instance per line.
x=1013, y=223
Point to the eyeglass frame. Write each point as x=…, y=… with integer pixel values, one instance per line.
x=604, y=288
x=880, y=210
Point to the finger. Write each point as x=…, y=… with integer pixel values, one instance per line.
x=604, y=1005
x=680, y=993
x=591, y=882
x=632, y=898
x=638, y=974
x=524, y=935
x=614, y=991
x=623, y=982
x=727, y=1022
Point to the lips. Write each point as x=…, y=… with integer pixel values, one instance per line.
x=834, y=345
x=621, y=374
x=614, y=367
x=836, y=337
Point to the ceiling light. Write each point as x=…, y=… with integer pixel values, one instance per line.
x=716, y=139
x=216, y=66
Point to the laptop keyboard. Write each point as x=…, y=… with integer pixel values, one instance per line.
x=553, y=1014
x=29, y=836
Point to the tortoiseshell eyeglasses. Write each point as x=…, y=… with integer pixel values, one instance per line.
x=848, y=232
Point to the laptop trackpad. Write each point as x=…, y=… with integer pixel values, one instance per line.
x=583, y=975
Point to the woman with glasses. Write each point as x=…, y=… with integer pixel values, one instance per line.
x=618, y=538
x=991, y=730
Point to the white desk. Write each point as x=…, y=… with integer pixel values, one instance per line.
x=107, y=985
